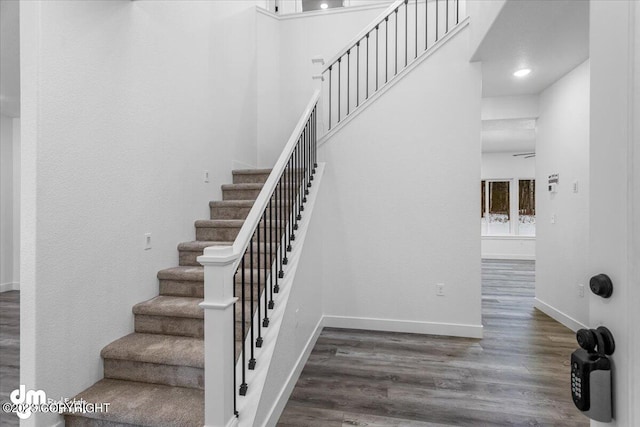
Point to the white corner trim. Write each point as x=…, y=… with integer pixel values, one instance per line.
x=405, y=326
x=397, y=78
x=283, y=397
x=9, y=286
x=522, y=257
x=559, y=316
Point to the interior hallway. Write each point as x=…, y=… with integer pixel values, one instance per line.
x=516, y=375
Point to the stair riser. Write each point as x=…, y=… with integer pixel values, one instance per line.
x=240, y=194
x=219, y=234
x=224, y=212
x=182, y=288
x=250, y=178
x=178, y=376
x=166, y=325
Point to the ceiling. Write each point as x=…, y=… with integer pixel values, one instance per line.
x=9, y=58
x=549, y=37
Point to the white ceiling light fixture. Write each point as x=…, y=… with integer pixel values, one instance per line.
x=324, y=6
x=522, y=72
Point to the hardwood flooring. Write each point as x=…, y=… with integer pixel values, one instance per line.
x=9, y=350
x=516, y=375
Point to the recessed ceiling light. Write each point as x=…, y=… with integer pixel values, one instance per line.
x=522, y=72
x=324, y=6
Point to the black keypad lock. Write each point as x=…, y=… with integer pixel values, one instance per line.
x=591, y=373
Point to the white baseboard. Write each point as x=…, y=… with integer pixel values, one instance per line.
x=510, y=256
x=559, y=316
x=9, y=286
x=283, y=397
x=410, y=326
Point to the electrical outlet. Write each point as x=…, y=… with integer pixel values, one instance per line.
x=580, y=290
x=147, y=241
x=440, y=289
x=553, y=218
x=575, y=186
x=206, y=176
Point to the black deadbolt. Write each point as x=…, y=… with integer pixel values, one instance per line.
x=601, y=285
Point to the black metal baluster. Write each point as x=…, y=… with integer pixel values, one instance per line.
x=271, y=252
x=315, y=139
x=265, y=321
x=377, y=36
x=305, y=151
x=339, y=80
x=243, y=386
x=259, y=339
x=330, y=98
x=406, y=32
x=299, y=178
x=416, y=30
x=311, y=171
x=358, y=74
x=386, y=49
x=367, y=97
x=457, y=11
x=292, y=236
x=396, y=41
x=426, y=24
x=252, y=361
x=348, y=78
x=279, y=234
x=446, y=5
x=437, y=19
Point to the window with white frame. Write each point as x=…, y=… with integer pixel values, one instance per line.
x=508, y=207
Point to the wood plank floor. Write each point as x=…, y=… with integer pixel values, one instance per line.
x=516, y=375
x=9, y=350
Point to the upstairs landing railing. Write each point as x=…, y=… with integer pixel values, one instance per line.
x=242, y=281
x=401, y=34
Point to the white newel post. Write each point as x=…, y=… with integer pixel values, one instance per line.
x=218, y=305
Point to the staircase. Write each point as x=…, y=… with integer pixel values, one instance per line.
x=155, y=376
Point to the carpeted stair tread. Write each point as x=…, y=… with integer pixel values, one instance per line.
x=231, y=203
x=221, y=223
x=200, y=245
x=243, y=186
x=158, y=349
x=184, y=273
x=251, y=171
x=144, y=404
x=172, y=306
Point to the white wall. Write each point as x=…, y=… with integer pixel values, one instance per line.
x=483, y=13
x=301, y=37
x=16, y=204
x=613, y=167
x=272, y=135
x=6, y=203
x=391, y=228
x=510, y=107
x=562, y=247
x=125, y=104
x=505, y=166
